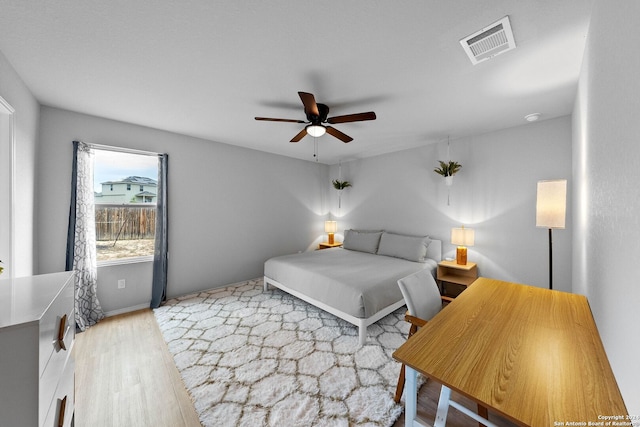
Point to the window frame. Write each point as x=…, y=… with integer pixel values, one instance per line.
x=133, y=259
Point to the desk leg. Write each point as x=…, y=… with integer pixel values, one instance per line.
x=410, y=397
x=443, y=407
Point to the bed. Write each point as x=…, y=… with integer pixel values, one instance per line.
x=357, y=283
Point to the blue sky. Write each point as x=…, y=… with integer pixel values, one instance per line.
x=114, y=166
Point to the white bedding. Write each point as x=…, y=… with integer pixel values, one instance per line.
x=357, y=283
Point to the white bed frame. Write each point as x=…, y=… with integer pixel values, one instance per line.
x=359, y=322
x=434, y=252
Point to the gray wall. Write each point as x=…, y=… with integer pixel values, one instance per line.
x=137, y=291
x=230, y=208
x=26, y=116
x=494, y=193
x=606, y=159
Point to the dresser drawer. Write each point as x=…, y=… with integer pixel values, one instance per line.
x=59, y=357
x=57, y=334
x=61, y=407
x=60, y=308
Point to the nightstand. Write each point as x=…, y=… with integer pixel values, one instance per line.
x=454, y=278
x=326, y=245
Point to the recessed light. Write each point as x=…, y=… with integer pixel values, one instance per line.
x=532, y=117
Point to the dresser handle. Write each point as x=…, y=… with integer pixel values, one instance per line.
x=61, y=329
x=63, y=404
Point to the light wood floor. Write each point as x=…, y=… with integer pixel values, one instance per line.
x=125, y=377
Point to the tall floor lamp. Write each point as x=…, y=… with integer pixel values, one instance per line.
x=551, y=208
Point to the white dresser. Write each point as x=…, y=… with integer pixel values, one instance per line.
x=37, y=332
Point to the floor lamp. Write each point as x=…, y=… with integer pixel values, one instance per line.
x=551, y=208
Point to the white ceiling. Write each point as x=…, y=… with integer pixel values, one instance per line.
x=206, y=68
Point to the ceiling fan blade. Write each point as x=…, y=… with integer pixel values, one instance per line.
x=280, y=120
x=341, y=136
x=359, y=117
x=309, y=101
x=300, y=135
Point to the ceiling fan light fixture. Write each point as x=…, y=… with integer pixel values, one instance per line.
x=316, y=130
x=317, y=115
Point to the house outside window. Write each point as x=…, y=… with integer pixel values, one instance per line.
x=124, y=190
x=125, y=218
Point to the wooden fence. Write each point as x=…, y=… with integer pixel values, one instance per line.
x=125, y=222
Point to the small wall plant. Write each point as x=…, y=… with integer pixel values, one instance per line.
x=448, y=168
x=340, y=185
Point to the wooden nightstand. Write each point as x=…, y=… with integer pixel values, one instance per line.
x=457, y=276
x=326, y=245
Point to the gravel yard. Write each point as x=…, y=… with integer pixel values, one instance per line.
x=124, y=249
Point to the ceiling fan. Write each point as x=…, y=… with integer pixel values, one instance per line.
x=316, y=117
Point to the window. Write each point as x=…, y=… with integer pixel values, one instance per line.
x=142, y=188
x=125, y=223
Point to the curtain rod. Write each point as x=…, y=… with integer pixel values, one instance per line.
x=123, y=149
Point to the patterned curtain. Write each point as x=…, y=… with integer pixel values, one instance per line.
x=81, y=238
x=159, y=286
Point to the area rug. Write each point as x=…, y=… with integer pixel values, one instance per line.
x=254, y=358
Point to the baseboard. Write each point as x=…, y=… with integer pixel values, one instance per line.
x=127, y=309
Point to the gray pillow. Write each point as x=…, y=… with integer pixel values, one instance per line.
x=412, y=248
x=362, y=240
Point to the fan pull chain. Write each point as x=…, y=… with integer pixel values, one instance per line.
x=315, y=148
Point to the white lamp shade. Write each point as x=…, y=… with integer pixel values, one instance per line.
x=463, y=236
x=551, y=204
x=316, y=130
x=330, y=226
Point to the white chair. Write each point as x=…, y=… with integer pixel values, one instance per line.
x=423, y=299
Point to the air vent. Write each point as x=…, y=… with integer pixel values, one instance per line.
x=490, y=41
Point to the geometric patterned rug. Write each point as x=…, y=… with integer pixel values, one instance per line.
x=254, y=358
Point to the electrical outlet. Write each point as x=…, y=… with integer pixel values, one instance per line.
x=121, y=284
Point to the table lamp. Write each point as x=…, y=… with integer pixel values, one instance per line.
x=551, y=209
x=330, y=227
x=462, y=237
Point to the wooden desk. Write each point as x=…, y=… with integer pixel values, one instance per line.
x=530, y=354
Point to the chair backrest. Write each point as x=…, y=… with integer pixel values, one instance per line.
x=421, y=294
